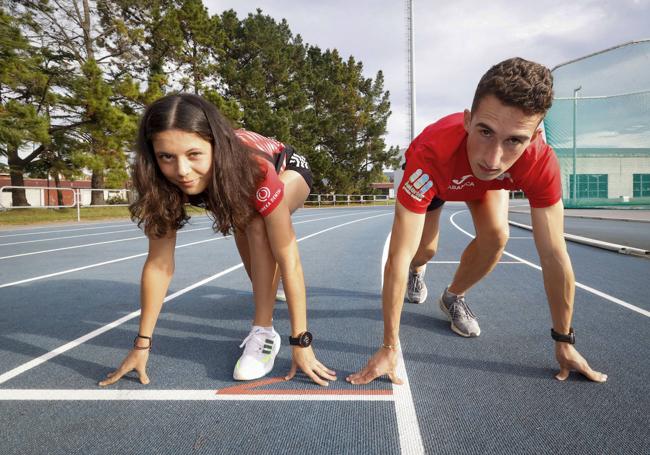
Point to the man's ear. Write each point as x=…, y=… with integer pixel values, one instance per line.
x=467, y=119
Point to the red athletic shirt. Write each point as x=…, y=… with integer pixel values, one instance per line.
x=437, y=165
x=271, y=190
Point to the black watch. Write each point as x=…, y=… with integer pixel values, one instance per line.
x=303, y=340
x=569, y=338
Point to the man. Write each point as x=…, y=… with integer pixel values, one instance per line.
x=472, y=157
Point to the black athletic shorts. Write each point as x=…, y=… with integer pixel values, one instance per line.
x=435, y=203
x=295, y=162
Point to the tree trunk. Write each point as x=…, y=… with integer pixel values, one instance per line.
x=59, y=193
x=18, y=196
x=97, y=181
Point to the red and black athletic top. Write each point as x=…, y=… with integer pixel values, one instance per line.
x=437, y=165
x=270, y=191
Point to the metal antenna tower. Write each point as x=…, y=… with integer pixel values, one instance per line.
x=411, y=69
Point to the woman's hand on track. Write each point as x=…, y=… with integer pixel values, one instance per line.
x=305, y=359
x=135, y=360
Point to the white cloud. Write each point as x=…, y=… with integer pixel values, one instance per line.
x=455, y=43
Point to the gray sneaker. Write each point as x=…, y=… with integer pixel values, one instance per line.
x=463, y=321
x=416, y=290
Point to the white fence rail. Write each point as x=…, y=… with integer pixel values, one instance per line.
x=38, y=197
x=320, y=200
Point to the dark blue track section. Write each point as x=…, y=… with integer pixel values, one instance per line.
x=493, y=394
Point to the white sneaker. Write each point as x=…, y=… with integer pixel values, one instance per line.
x=259, y=354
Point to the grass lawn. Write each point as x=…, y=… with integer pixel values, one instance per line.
x=16, y=217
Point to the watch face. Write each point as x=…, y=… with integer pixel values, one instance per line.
x=306, y=339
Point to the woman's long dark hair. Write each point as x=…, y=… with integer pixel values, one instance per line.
x=160, y=205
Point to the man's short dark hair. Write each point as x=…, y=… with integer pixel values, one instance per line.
x=518, y=83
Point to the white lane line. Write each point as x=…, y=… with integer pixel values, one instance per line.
x=99, y=264
x=615, y=300
x=198, y=220
x=139, y=237
x=410, y=439
x=72, y=344
x=63, y=272
x=115, y=225
x=133, y=228
x=71, y=247
x=168, y=395
x=93, y=244
x=458, y=262
x=67, y=230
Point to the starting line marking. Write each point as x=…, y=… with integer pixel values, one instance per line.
x=179, y=395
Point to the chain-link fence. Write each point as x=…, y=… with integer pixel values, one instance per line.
x=599, y=126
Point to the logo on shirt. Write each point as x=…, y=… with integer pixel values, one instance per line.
x=418, y=184
x=459, y=184
x=263, y=194
x=462, y=179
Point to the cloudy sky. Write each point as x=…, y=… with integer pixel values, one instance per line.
x=455, y=42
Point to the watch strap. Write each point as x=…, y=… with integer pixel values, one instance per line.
x=564, y=338
x=304, y=339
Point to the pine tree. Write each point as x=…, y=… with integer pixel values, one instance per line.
x=24, y=97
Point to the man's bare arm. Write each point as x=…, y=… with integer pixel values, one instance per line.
x=559, y=282
x=405, y=238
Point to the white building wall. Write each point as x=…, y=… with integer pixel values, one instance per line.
x=620, y=171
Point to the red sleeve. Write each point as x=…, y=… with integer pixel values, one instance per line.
x=270, y=191
x=545, y=187
x=264, y=144
x=416, y=191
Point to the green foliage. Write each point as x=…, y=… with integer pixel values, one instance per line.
x=23, y=83
x=74, y=98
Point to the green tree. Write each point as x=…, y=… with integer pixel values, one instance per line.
x=260, y=69
x=313, y=100
x=95, y=103
x=24, y=98
x=345, y=122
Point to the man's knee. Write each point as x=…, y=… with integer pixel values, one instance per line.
x=494, y=239
x=427, y=252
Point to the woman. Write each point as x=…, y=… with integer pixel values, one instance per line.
x=188, y=152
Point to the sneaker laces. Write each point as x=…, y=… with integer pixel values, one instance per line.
x=459, y=309
x=257, y=339
x=415, y=283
